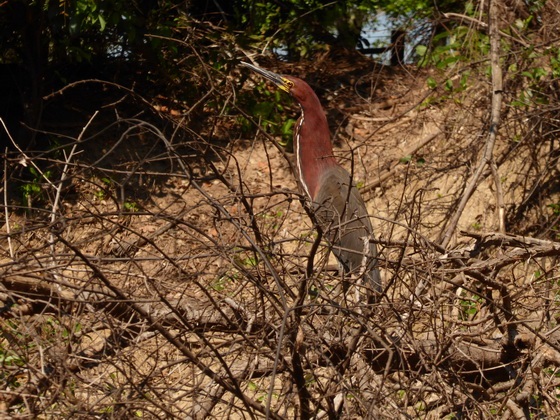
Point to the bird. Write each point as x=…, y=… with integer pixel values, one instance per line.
x=336, y=203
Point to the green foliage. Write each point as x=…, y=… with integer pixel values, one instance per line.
x=33, y=190
x=555, y=207
x=300, y=27
x=105, y=189
x=476, y=226
x=536, y=77
x=418, y=160
x=9, y=358
x=222, y=282
x=88, y=14
x=462, y=45
x=19, y=343
x=470, y=306
x=262, y=392
x=431, y=82
x=267, y=106
x=131, y=206
x=243, y=259
x=272, y=220
x=83, y=30
x=407, y=7
x=451, y=89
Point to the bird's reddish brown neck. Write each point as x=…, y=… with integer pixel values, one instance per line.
x=312, y=141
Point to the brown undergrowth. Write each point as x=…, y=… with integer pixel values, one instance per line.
x=161, y=262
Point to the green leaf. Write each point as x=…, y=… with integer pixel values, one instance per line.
x=102, y=23
x=286, y=128
x=518, y=104
x=421, y=50
x=431, y=82
x=464, y=80
x=448, y=62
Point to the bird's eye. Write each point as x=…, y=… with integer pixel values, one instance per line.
x=288, y=84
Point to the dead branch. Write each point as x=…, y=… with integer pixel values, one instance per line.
x=488, y=156
x=382, y=177
x=477, y=355
x=486, y=239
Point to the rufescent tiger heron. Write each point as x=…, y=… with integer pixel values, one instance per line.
x=338, y=206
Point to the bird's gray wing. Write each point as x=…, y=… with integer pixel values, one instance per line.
x=343, y=217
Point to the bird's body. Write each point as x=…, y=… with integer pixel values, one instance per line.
x=342, y=215
x=336, y=203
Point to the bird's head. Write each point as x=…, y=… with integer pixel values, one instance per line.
x=283, y=82
x=297, y=88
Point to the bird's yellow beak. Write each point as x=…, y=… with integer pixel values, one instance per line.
x=283, y=83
